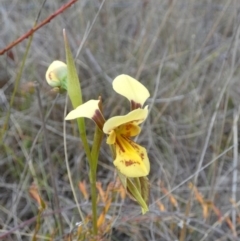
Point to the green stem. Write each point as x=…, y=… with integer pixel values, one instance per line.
x=92, y=157
x=74, y=91
x=92, y=173
x=92, y=177
x=83, y=136
x=98, y=135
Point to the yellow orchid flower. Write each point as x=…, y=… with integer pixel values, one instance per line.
x=131, y=159
x=56, y=74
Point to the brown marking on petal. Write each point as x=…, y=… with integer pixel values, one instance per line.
x=128, y=133
x=135, y=146
x=50, y=76
x=119, y=145
x=135, y=105
x=120, y=150
x=127, y=129
x=142, y=155
x=128, y=126
x=132, y=143
x=130, y=162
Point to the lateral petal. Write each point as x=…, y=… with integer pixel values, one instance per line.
x=132, y=89
x=90, y=110
x=131, y=158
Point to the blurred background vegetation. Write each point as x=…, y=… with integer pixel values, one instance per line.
x=187, y=54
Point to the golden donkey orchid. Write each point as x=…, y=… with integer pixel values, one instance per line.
x=56, y=75
x=131, y=159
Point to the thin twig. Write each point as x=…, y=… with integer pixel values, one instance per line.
x=193, y=175
x=210, y=34
x=68, y=167
x=218, y=223
x=156, y=37
x=35, y=28
x=235, y=166
x=51, y=169
x=19, y=75
x=29, y=160
x=212, y=121
x=89, y=29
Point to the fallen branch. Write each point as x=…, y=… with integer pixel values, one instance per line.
x=34, y=29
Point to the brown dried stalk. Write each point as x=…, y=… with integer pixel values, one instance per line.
x=34, y=29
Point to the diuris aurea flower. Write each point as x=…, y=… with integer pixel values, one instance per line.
x=131, y=159
x=56, y=75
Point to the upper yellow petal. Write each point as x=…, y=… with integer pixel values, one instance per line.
x=132, y=89
x=91, y=110
x=131, y=158
x=56, y=72
x=135, y=117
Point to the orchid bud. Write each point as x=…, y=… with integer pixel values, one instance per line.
x=56, y=75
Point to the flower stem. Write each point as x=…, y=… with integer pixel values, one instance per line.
x=92, y=160
x=92, y=177
x=74, y=91
x=98, y=135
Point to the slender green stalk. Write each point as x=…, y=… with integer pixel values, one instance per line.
x=68, y=167
x=75, y=94
x=98, y=135
x=83, y=136
x=92, y=173
x=92, y=177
